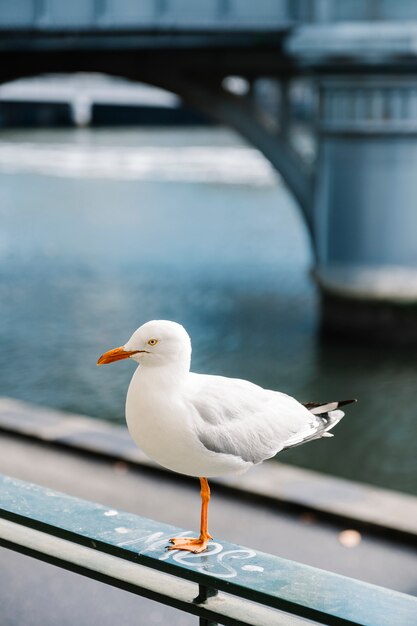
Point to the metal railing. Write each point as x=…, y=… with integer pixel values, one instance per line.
x=190, y=15
x=228, y=584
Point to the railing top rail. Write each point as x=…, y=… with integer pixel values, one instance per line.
x=188, y=15
x=151, y=15
x=269, y=580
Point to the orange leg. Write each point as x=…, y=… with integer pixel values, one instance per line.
x=200, y=544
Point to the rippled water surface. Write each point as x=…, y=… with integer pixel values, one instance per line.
x=103, y=230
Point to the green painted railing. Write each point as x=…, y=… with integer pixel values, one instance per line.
x=229, y=584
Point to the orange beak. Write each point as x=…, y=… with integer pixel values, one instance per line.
x=116, y=355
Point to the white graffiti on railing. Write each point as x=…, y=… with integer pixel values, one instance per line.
x=216, y=560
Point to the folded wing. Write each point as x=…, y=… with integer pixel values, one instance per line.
x=239, y=418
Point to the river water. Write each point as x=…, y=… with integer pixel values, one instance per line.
x=103, y=230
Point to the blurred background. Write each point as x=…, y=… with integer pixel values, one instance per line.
x=249, y=171
x=149, y=210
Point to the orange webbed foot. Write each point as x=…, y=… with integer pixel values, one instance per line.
x=190, y=544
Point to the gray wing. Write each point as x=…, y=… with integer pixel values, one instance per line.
x=239, y=418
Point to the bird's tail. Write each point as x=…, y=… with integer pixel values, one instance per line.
x=328, y=414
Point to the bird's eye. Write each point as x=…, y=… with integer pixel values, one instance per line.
x=153, y=342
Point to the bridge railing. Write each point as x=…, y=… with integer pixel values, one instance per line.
x=231, y=15
x=147, y=14
x=229, y=584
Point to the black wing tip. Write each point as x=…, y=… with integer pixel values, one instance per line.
x=313, y=405
x=320, y=408
x=344, y=402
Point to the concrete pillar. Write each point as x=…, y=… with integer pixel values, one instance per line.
x=365, y=206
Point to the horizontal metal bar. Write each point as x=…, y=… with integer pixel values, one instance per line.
x=271, y=581
x=150, y=15
x=139, y=579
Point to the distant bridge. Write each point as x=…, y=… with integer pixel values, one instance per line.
x=359, y=198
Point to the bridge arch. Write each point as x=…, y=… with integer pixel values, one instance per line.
x=239, y=113
x=211, y=98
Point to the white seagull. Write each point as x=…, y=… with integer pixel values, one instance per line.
x=202, y=425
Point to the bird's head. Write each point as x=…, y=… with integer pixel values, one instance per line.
x=159, y=342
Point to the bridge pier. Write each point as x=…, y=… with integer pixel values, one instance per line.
x=364, y=207
x=364, y=211
x=359, y=206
